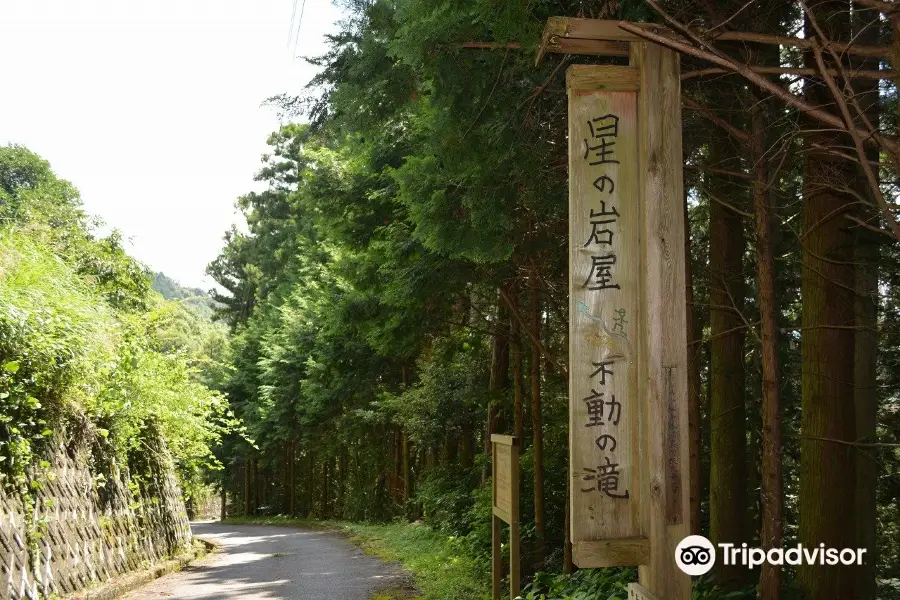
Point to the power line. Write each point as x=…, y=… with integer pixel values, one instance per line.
x=299, y=23
x=291, y=26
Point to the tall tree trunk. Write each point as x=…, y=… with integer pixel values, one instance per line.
x=867, y=253
x=407, y=471
x=398, y=465
x=537, y=442
x=407, y=483
x=827, y=516
x=342, y=482
x=865, y=402
x=246, y=469
x=499, y=378
x=326, y=495
x=223, y=496
x=515, y=344
x=693, y=368
x=728, y=430
x=292, y=480
x=286, y=479
x=254, y=482
x=771, y=509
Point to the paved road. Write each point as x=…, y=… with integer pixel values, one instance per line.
x=261, y=562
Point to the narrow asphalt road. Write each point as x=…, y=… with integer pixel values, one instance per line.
x=261, y=562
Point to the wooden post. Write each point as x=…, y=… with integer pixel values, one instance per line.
x=496, y=557
x=665, y=376
x=629, y=431
x=505, y=493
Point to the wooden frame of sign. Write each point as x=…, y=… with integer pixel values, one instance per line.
x=505, y=493
x=628, y=414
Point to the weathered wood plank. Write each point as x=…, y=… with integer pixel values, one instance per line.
x=561, y=45
x=665, y=370
x=515, y=548
x=612, y=553
x=502, y=480
x=638, y=592
x=611, y=78
x=496, y=558
x=604, y=312
x=588, y=29
x=502, y=514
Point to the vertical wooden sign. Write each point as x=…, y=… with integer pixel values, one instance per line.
x=605, y=291
x=627, y=361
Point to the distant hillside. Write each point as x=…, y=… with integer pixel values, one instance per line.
x=195, y=298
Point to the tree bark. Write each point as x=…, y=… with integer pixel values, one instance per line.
x=292, y=479
x=223, y=496
x=407, y=471
x=771, y=503
x=254, y=482
x=398, y=465
x=326, y=508
x=515, y=344
x=728, y=430
x=693, y=368
x=867, y=253
x=537, y=442
x=827, y=515
x=246, y=469
x=499, y=378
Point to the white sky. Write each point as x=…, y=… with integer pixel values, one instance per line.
x=152, y=108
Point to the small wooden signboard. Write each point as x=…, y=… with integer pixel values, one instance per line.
x=505, y=461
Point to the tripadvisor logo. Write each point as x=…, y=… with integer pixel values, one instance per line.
x=696, y=555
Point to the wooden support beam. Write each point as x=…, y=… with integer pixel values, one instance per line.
x=589, y=29
x=664, y=321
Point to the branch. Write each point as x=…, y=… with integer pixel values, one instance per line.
x=885, y=7
x=861, y=74
x=847, y=443
x=841, y=101
x=523, y=326
x=706, y=169
x=762, y=38
x=709, y=114
x=492, y=45
x=755, y=78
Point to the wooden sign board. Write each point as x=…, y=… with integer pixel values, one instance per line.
x=628, y=446
x=505, y=478
x=605, y=271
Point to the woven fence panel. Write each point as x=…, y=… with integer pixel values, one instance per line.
x=80, y=528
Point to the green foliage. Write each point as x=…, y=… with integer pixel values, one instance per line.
x=587, y=584
x=368, y=336
x=194, y=298
x=85, y=347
